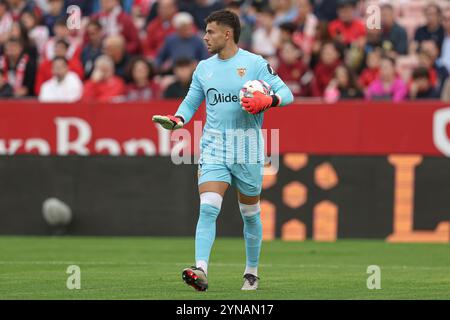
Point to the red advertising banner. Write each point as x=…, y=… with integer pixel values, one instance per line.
x=346, y=128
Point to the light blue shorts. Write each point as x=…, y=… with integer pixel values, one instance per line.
x=247, y=178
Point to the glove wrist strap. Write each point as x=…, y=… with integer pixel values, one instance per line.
x=181, y=118
x=275, y=100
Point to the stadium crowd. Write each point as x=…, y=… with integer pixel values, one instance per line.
x=130, y=50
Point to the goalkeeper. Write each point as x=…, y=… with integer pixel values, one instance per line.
x=219, y=80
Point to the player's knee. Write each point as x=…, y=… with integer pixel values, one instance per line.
x=250, y=212
x=211, y=198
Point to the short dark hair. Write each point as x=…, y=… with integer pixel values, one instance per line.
x=183, y=62
x=227, y=18
x=63, y=42
x=5, y=4
x=436, y=6
x=132, y=64
x=288, y=27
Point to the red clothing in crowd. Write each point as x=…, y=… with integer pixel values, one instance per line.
x=349, y=32
x=134, y=93
x=434, y=78
x=104, y=91
x=367, y=76
x=322, y=76
x=45, y=72
x=291, y=75
x=119, y=22
x=157, y=31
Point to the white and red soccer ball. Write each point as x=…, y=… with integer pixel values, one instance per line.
x=251, y=86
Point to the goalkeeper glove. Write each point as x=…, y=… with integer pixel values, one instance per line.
x=259, y=102
x=169, y=122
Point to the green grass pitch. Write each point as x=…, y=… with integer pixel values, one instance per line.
x=150, y=268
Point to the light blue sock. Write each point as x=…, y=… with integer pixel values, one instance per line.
x=253, y=238
x=206, y=231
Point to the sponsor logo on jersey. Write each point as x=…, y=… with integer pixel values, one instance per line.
x=214, y=97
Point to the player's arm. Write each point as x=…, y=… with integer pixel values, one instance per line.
x=187, y=108
x=281, y=96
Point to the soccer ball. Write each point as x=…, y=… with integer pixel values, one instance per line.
x=254, y=85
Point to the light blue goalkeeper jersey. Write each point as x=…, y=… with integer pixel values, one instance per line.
x=230, y=133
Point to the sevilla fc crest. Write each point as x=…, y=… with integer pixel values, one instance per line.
x=241, y=71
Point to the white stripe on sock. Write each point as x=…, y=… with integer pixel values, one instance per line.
x=251, y=270
x=202, y=264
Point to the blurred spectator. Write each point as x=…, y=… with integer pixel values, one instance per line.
x=19, y=31
x=428, y=58
x=183, y=70
x=182, y=44
x=393, y=36
x=37, y=33
x=286, y=32
x=200, y=9
x=342, y=86
x=56, y=12
x=115, y=48
x=5, y=21
x=115, y=21
x=142, y=86
x=388, y=86
x=372, y=69
x=17, y=68
x=322, y=36
x=421, y=87
x=432, y=30
x=324, y=71
x=45, y=71
x=18, y=7
x=445, y=52
x=347, y=29
x=306, y=23
x=62, y=32
x=103, y=86
x=93, y=47
x=285, y=11
x=160, y=28
x=64, y=86
x=291, y=67
x=266, y=37
x=247, y=24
